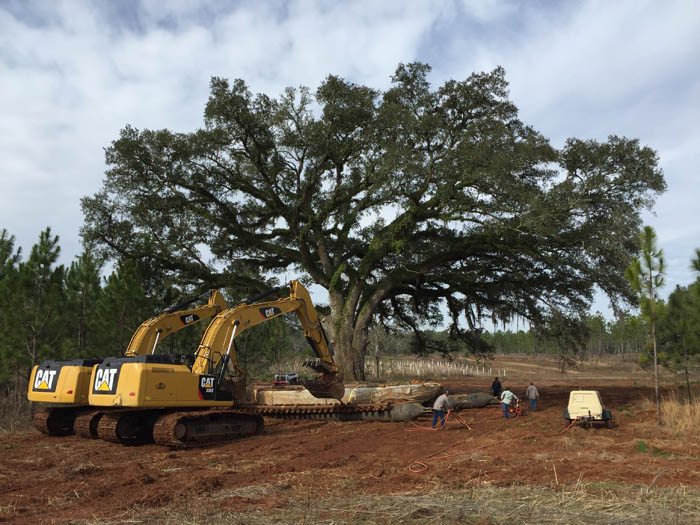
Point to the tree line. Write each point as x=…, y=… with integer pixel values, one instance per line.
x=50, y=311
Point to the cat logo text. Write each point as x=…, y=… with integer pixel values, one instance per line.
x=207, y=384
x=105, y=379
x=189, y=318
x=207, y=387
x=270, y=311
x=45, y=380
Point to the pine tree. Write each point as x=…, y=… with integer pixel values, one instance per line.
x=40, y=302
x=121, y=308
x=9, y=297
x=646, y=276
x=82, y=294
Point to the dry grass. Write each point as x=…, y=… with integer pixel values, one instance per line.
x=585, y=503
x=15, y=413
x=680, y=416
x=80, y=470
x=677, y=414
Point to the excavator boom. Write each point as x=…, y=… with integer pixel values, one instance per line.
x=147, y=336
x=216, y=352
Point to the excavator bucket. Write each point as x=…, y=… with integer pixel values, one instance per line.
x=326, y=386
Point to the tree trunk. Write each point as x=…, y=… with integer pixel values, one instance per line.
x=377, y=359
x=350, y=346
x=82, y=327
x=351, y=358
x=656, y=373
x=687, y=377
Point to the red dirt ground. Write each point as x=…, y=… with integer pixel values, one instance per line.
x=46, y=479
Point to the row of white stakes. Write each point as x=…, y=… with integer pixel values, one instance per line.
x=422, y=367
x=429, y=367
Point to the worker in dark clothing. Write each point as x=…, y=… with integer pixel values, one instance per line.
x=496, y=388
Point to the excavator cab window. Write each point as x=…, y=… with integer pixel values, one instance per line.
x=230, y=383
x=225, y=377
x=186, y=359
x=218, y=359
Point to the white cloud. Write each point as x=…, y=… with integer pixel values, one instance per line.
x=73, y=73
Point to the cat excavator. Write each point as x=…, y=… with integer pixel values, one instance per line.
x=65, y=385
x=173, y=404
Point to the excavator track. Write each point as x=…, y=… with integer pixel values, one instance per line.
x=186, y=429
x=86, y=424
x=128, y=427
x=322, y=412
x=39, y=420
x=107, y=428
x=55, y=421
x=182, y=429
x=389, y=411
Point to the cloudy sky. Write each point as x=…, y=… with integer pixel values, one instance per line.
x=72, y=73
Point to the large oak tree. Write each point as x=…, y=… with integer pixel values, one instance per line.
x=404, y=204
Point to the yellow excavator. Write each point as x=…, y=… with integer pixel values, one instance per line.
x=177, y=405
x=65, y=385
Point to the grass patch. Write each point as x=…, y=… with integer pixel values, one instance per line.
x=582, y=503
x=660, y=452
x=641, y=446
x=7, y=511
x=80, y=470
x=603, y=485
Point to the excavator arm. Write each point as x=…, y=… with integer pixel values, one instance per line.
x=217, y=351
x=154, y=330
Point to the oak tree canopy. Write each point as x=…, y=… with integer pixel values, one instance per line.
x=405, y=204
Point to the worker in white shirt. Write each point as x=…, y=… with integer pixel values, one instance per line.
x=506, y=397
x=440, y=408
